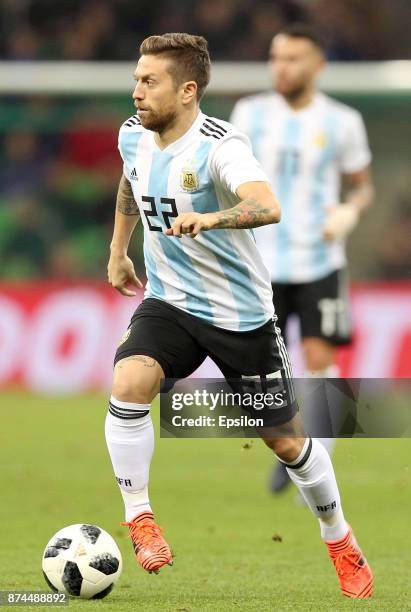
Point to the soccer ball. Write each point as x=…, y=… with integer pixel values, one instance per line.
x=82, y=561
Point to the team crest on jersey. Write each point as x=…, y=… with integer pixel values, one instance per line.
x=320, y=140
x=189, y=178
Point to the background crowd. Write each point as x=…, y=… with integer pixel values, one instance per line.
x=236, y=29
x=59, y=165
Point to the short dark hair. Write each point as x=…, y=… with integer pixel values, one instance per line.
x=189, y=53
x=304, y=30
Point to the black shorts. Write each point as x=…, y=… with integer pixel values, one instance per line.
x=180, y=342
x=322, y=307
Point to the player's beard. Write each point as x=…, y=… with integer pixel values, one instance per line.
x=294, y=93
x=156, y=122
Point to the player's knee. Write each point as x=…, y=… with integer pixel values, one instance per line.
x=136, y=381
x=128, y=389
x=286, y=449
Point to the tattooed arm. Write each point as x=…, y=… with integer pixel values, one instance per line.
x=126, y=203
x=258, y=206
x=120, y=267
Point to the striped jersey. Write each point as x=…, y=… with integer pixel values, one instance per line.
x=304, y=154
x=219, y=276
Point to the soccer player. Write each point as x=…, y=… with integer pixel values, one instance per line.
x=198, y=190
x=307, y=143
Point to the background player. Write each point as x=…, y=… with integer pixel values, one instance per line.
x=198, y=189
x=306, y=143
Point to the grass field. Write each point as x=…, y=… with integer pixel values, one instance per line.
x=211, y=498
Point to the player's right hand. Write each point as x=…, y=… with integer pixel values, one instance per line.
x=340, y=221
x=121, y=273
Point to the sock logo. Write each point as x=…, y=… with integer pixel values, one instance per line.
x=328, y=507
x=124, y=481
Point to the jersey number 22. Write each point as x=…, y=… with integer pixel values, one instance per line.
x=153, y=213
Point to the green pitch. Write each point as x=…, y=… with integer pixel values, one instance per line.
x=236, y=547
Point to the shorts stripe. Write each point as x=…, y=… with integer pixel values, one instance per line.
x=283, y=352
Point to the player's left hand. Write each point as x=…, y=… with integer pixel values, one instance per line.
x=191, y=223
x=340, y=221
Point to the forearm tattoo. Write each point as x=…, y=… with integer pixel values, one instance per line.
x=248, y=213
x=126, y=203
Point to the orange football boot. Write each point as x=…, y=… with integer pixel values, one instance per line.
x=151, y=549
x=354, y=573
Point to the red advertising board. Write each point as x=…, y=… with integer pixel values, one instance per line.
x=62, y=337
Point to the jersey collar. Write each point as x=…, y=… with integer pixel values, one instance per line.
x=317, y=101
x=181, y=143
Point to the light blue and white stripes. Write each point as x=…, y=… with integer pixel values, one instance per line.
x=217, y=276
x=304, y=153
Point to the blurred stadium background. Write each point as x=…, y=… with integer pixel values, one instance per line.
x=65, y=80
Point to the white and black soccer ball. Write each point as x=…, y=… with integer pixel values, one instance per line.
x=83, y=561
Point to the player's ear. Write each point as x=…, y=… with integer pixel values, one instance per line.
x=189, y=91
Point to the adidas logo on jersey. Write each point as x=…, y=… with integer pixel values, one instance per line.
x=133, y=175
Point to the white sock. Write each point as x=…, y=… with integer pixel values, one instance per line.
x=312, y=472
x=332, y=371
x=130, y=441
